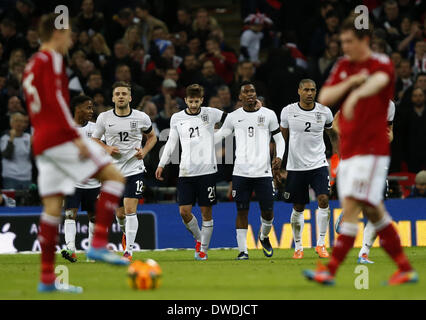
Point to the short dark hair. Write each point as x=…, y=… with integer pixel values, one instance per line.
x=349, y=25
x=246, y=83
x=120, y=84
x=195, y=91
x=303, y=81
x=78, y=100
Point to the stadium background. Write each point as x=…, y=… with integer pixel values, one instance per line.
x=162, y=46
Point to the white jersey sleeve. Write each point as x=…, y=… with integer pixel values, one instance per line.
x=391, y=111
x=170, y=144
x=100, y=127
x=284, y=118
x=329, y=119
x=217, y=114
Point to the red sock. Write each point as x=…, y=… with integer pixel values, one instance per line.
x=107, y=203
x=48, y=238
x=389, y=240
x=343, y=244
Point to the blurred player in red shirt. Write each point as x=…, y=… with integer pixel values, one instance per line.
x=362, y=82
x=63, y=157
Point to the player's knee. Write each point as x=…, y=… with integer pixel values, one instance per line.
x=323, y=201
x=267, y=214
x=299, y=207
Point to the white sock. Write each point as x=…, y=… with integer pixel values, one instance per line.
x=297, y=221
x=323, y=220
x=242, y=240
x=206, y=235
x=193, y=227
x=368, y=239
x=91, y=232
x=122, y=223
x=265, y=228
x=70, y=231
x=132, y=225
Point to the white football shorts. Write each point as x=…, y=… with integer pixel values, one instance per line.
x=60, y=167
x=363, y=177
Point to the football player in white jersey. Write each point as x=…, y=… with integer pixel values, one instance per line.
x=86, y=194
x=370, y=234
x=302, y=125
x=253, y=126
x=123, y=129
x=194, y=128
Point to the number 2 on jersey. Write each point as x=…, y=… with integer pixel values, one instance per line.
x=308, y=126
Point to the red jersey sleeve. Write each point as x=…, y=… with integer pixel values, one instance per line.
x=336, y=73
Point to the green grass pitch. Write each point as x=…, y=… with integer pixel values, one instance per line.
x=221, y=277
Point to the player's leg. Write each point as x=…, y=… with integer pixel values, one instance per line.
x=320, y=181
x=368, y=239
x=111, y=191
x=186, y=189
x=132, y=225
x=297, y=192
x=206, y=197
x=264, y=192
x=241, y=192
x=72, y=204
x=390, y=242
x=88, y=204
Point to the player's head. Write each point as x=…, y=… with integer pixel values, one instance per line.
x=82, y=108
x=121, y=94
x=59, y=38
x=194, y=97
x=248, y=94
x=355, y=41
x=307, y=91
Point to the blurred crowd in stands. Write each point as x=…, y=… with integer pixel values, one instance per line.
x=160, y=47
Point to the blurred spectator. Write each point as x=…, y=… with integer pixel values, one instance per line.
x=419, y=189
x=100, y=53
x=224, y=62
x=218, y=33
x=391, y=21
x=172, y=73
x=290, y=42
x=419, y=59
x=194, y=46
x=209, y=79
x=22, y=15
x=14, y=105
x=151, y=110
x=83, y=42
x=168, y=92
x=396, y=58
x=133, y=36
x=184, y=21
x=322, y=36
x=190, y=70
x=180, y=41
x=414, y=132
x=246, y=72
x=214, y=102
x=16, y=154
x=9, y=38
x=147, y=23
x=153, y=79
x=326, y=62
x=78, y=82
x=123, y=73
x=251, y=38
x=225, y=98
x=203, y=24
x=119, y=25
x=32, y=44
x=89, y=20
x=139, y=55
x=95, y=84
x=419, y=83
x=404, y=79
x=171, y=106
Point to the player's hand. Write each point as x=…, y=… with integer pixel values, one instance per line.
x=113, y=150
x=358, y=79
x=276, y=164
x=82, y=148
x=140, y=154
x=349, y=105
x=158, y=173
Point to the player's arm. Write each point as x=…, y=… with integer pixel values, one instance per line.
x=390, y=132
x=167, y=152
x=280, y=149
x=331, y=95
x=224, y=131
x=151, y=140
x=374, y=84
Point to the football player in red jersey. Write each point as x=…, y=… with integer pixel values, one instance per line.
x=363, y=83
x=63, y=157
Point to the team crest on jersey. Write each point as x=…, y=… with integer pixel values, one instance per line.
x=318, y=117
x=89, y=134
x=286, y=195
x=234, y=193
x=205, y=118
x=261, y=120
x=133, y=125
